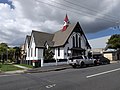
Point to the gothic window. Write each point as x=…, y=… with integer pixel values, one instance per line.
x=76, y=40
x=80, y=42
x=73, y=41
x=58, y=51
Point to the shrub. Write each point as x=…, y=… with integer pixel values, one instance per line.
x=0, y=65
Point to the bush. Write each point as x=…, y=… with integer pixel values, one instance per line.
x=0, y=65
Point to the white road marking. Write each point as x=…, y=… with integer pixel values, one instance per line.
x=50, y=86
x=103, y=73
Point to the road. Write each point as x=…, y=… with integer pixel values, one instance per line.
x=104, y=77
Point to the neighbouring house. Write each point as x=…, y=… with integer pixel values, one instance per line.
x=112, y=55
x=26, y=50
x=69, y=41
x=22, y=53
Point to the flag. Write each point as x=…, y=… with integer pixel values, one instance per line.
x=66, y=23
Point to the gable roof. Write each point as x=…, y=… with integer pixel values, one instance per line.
x=28, y=37
x=61, y=37
x=41, y=37
x=27, y=40
x=57, y=39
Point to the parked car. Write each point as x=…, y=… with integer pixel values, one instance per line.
x=101, y=59
x=81, y=61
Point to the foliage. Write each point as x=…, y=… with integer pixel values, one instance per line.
x=3, y=48
x=7, y=53
x=3, y=51
x=11, y=54
x=0, y=65
x=114, y=42
x=48, y=54
x=17, y=53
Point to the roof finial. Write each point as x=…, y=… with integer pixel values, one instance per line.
x=66, y=23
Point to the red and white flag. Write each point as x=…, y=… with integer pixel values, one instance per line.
x=66, y=23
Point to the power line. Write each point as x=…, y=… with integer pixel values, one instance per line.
x=88, y=8
x=81, y=10
x=72, y=9
x=58, y=7
x=117, y=23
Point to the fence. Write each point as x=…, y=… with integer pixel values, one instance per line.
x=54, y=62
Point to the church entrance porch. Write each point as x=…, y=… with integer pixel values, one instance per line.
x=77, y=51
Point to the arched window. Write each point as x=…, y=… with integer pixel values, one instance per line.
x=58, y=51
x=76, y=40
x=80, y=42
x=73, y=41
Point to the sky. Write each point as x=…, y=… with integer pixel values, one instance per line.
x=99, y=42
x=98, y=18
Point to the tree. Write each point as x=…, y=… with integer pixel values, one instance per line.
x=114, y=42
x=17, y=54
x=11, y=54
x=3, y=51
x=48, y=54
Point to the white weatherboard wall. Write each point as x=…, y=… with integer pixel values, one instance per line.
x=55, y=53
x=69, y=44
x=40, y=53
x=31, y=50
x=27, y=50
x=83, y=42
x=61, y=53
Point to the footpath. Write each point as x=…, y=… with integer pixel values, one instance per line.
x=118, y=61
x=37, y=70
x=48, y=68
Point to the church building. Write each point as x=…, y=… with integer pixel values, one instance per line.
x=67, y=42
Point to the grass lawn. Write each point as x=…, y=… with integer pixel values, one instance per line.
x=9, y=67
x=28, y=66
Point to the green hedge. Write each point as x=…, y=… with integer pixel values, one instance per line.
x=0, y=65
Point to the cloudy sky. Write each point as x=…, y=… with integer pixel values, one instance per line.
x=18, y=18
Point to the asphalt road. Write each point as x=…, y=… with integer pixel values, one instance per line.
x=104, y=77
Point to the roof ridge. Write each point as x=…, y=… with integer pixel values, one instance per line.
x=68, y=26
x=41, y=32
